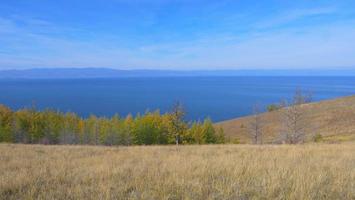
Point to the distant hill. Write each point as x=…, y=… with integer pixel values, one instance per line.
x=333, y=119
x=62, y=73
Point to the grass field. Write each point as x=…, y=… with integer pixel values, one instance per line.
x=312, y=171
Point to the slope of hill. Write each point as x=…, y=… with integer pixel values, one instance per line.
x=333, y=119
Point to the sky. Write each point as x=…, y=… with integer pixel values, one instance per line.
x=177, y=34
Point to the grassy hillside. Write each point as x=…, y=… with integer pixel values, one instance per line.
x=333, y=119
x=313, y=171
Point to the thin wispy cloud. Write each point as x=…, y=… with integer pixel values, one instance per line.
x=175, y=35
x=290, y=16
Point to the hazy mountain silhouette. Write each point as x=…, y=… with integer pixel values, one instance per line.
x=62, y=73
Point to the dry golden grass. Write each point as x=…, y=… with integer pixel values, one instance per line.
x=312, y=171
x=330, y=118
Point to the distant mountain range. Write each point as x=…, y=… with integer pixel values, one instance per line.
x=79, y=73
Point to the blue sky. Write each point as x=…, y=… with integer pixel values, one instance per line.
x=177, y=34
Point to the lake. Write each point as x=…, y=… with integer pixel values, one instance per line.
x=219, y=98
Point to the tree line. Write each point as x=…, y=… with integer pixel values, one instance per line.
x=53, y=127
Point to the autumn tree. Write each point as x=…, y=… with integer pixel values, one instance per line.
x=195, y=134
x=54, y=127
x=178, y=125
x=112, y=134
x=294, y=118
x=255, y=125
x=204, y=133
x=6, y=118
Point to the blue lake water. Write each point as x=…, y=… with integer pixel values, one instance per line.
x=220, y=98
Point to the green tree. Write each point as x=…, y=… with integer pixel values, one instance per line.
x=209, y=132
x=149, y=129
x=221, y=139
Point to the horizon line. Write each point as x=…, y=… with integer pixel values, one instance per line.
x=178, y=70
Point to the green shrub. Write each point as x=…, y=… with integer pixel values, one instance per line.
x=317, y=138
x=273, y=107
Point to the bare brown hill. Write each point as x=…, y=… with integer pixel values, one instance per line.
x=333, y=119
